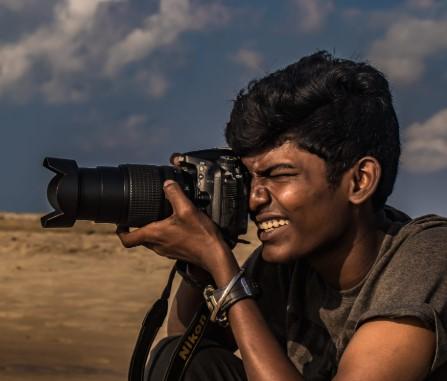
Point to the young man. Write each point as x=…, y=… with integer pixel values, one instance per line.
x=350, y=289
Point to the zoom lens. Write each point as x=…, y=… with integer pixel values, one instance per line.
x=129, y=194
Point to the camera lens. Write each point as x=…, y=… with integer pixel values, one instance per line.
x=129, y=194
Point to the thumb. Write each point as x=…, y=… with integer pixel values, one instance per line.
x=177, y=198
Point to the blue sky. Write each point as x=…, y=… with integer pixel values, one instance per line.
x=130, y=81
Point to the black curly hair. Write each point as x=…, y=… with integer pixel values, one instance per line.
x=335, y=108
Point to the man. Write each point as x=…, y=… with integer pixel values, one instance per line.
x=350, y=289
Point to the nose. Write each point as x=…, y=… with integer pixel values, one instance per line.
x=259, y=195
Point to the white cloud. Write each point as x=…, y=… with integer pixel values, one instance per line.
x=62, y=58
x=56, y=45
x=425, y=144
x=408, y=43
x=248, y=58
x=134, y=133
x=161, y=29
x=313, y=13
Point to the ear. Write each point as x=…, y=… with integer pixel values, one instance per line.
x=364, y=179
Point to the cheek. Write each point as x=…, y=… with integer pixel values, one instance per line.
x=324, y=218
x=314, y=214
x=291, y=197
x=317, y=217
x=303, y=201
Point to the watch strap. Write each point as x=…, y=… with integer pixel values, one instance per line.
x=220, y=300
x=244, y=288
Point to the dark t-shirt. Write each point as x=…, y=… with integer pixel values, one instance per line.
x=314, y=322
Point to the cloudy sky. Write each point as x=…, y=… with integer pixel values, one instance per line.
x=130, y=81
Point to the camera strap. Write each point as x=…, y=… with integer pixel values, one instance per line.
x=187, y=345
x=149, y=328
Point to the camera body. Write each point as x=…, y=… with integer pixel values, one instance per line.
x=221, y=187
x=132, y=195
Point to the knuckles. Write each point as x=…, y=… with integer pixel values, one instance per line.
x=186, y=212
x=165, y=233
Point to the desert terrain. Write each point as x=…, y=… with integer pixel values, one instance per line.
x=72, y=300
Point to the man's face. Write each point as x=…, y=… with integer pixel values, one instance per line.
x=296, y=210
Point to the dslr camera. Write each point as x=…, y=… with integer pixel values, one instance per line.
x=132, y=195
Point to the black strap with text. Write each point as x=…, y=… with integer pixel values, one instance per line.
x=149, y=328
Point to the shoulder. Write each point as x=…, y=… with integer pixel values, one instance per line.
x=410, y=276
x=413, y=260
x=422, y=241
x=426, y=232
x=409, y=281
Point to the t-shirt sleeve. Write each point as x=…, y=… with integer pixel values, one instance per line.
x=413, y=283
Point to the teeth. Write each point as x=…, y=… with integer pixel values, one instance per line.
x=272, y=224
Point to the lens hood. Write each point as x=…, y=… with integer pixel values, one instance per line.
x=62, y=193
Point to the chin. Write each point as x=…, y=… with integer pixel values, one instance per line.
x=279, y=254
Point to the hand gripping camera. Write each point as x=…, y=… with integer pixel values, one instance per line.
x=132, y=195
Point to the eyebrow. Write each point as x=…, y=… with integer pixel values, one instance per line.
x=274, y=167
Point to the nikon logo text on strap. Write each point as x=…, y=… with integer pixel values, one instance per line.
x=191, y=340
x=187, y=345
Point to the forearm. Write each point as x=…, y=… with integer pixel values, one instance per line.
x=263, y=358
x=184, y=306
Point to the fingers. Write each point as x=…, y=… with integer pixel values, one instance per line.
x=162, y=233
x=135, y=237
x=155, y=232
x=181, y=205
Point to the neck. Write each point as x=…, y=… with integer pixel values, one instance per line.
x=345, y=264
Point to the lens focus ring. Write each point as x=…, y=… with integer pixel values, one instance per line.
x=145, y=194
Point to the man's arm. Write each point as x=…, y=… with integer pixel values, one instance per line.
x=380, y=350
x=185, y=304
x=394, y=350
x=264, y=359
x=388, y=350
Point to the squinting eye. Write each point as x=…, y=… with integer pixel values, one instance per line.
x=283, y=174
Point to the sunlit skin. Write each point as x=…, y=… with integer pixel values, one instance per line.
x=325, y=227
x=335, y=229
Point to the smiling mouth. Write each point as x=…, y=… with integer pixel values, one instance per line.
x=270, y=225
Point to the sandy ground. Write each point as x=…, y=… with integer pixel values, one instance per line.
x=72, y=300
